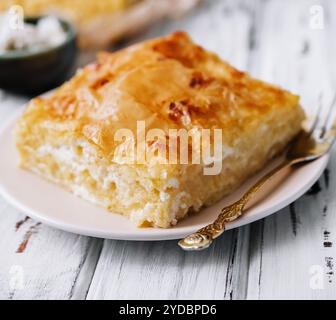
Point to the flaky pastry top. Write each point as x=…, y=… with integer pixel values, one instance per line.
x=168, y=82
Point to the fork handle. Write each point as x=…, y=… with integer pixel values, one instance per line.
x=203, y=238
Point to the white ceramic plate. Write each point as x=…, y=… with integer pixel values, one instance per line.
x=56, y=207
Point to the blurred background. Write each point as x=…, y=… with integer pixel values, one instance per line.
x=102, y=22
x=85, y=28
x=251, y=34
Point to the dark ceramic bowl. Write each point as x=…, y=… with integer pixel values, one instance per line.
x=28, y=72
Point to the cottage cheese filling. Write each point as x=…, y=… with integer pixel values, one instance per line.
x=47, y=33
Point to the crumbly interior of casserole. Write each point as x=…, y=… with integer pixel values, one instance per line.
x=153, y=196
x=169, y=82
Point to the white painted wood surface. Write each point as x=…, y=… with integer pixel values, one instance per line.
x=287, y=255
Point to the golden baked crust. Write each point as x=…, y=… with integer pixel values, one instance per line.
x=169, y=83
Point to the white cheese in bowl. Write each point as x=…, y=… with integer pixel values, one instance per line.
x=47, y=33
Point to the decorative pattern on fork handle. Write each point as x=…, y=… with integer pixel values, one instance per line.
x=203, y=238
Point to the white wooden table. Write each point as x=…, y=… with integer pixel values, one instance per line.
x=288, y=255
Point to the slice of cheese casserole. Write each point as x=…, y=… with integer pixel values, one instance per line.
x=74, y=136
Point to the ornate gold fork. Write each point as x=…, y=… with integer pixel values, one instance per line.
x=306, y=147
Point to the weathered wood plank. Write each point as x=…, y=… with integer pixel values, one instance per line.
x=161, y=270
x=37, y=262
x=288, y=255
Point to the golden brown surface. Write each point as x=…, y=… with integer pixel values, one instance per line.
x=170, y=83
